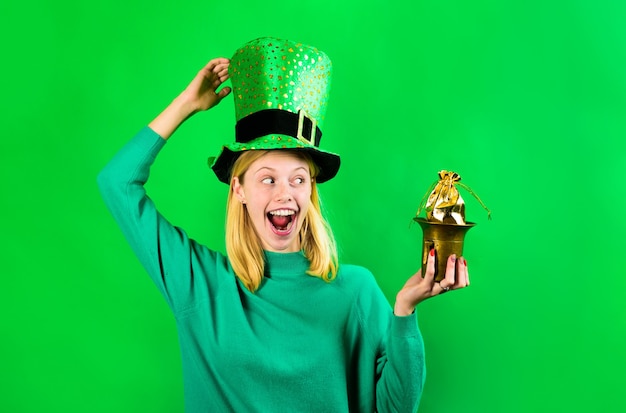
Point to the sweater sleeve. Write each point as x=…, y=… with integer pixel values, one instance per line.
x=398, y=349
x=165, y=251
x=401, y=367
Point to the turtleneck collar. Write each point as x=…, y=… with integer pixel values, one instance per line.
x=289, y=263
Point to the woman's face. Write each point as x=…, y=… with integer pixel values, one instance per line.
x=276, y=190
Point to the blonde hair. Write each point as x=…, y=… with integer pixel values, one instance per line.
x=243, y=244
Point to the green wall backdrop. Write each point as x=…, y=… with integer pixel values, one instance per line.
x=525, y=99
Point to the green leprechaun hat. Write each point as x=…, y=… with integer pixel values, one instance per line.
x=281, y=92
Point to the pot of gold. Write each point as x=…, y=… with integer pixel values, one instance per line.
x=444, y=227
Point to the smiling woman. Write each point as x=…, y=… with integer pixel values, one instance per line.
x=276, y=192
x=252, y=336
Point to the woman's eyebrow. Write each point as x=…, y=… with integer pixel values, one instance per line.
x=265, y=167
x=274, y=170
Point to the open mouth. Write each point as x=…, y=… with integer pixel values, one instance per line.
x=281, y=219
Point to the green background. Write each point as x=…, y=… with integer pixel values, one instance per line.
x=525, y=99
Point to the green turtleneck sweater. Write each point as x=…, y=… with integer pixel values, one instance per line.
x=298, y=344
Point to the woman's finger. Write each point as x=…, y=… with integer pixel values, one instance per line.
x=221, y=70
x=429, y=277
x=213, y=63
x=448, y=281
x=224, y=92
x=461, y=274
x=440, y=288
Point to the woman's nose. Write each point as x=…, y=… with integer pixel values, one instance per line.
x=283, y=192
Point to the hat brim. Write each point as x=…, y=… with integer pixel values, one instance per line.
x=327, y=162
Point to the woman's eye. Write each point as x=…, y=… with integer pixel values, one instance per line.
x=299, y=180
x=267, y=181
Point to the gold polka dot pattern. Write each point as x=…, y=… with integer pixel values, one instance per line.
x=269, y=73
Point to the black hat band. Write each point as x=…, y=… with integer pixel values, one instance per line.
x=277, y=121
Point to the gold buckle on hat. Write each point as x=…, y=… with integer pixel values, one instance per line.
x=301, y=115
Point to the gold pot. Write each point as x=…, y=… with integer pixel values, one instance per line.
x=446, y=239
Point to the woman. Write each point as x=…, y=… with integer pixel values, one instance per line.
x=276, y=325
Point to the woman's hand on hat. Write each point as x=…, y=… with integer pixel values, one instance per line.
x=418, y=288
x=202, y=94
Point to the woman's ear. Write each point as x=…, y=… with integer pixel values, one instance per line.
x=238, y=190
